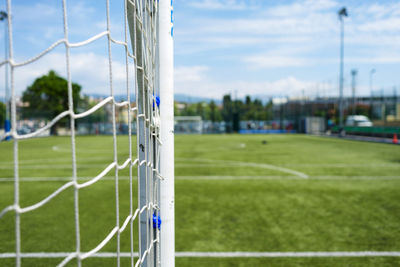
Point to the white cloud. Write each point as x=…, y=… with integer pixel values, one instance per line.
x=376, y=59
x=189, y=74
x=301, y=23
x=87, y=69
x=270, y=61
x=391, y=24
x=301, y=8
x=195, y=81
x=220, y=4
x=283, y=56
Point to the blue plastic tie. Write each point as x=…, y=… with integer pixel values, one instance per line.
x=159, y=223
x=156, y=221
x=7, y=128
x=157, y=101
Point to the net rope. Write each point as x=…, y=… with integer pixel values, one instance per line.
x=144, y=29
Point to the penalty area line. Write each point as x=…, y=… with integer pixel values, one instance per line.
x=236, y=254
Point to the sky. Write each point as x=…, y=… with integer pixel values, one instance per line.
x=253, y=47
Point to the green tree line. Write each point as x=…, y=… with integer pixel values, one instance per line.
x=228, y=111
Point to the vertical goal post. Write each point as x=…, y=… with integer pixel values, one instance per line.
x=167, y=201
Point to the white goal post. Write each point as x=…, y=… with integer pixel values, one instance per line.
x=167, y=201
x=148, y=27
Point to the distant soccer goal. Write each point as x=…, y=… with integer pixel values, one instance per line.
x=147, y=42
x=188, y=125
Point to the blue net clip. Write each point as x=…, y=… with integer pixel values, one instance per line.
x=159, y=222
x=157, y=101
x=7, y=128
x=156, y=221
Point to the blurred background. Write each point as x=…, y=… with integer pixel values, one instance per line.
x=240, y=66
x=250, y=78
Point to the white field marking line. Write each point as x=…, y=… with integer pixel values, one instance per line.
x=188, y=165
x=99, y=165
x=317, y=165
x=199, y=178
x=44, y=166
x=88, y=165
x=257, y=165
x=52, y=160
x=179, y=164
x=280, y=177
x=210, y=254
x=67, y=150
x=27, y=164
x=344, y=165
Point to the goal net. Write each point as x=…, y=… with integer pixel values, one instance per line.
x=142, y=79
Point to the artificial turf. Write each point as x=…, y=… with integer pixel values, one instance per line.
x=229, y=196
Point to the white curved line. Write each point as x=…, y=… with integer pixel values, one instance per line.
x=51, y=47
x=252, y=164
x=277, y=168
x=6, y=209
x=147, y=251
x=135, y=214
x=88, y=41
x=93, y=109
x=118, y=42
x=98, y=177
x=48, y=126
x=121, y=104
x=127, y=220
x=125, y=45
x=101, y=245
x=47, y=199
x=67, y=259
x=158, y=174
x=5, y=62
x=120, y=167
x=4, y=136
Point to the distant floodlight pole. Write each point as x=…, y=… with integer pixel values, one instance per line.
x=342, y=13
x=353, y=88
x=372, y=71
x=7, y=124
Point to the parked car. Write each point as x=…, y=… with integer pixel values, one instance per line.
x=358, y=120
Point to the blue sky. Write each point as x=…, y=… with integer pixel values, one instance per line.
x=252, y=47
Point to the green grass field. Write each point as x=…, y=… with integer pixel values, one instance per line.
x=232, y=193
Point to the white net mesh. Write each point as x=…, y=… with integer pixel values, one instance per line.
x=141, y=21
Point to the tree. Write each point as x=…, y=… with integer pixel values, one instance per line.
x=2, y=114
x=48, y=96
x=227, y=112
x=213, y=111
x=200, y=109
